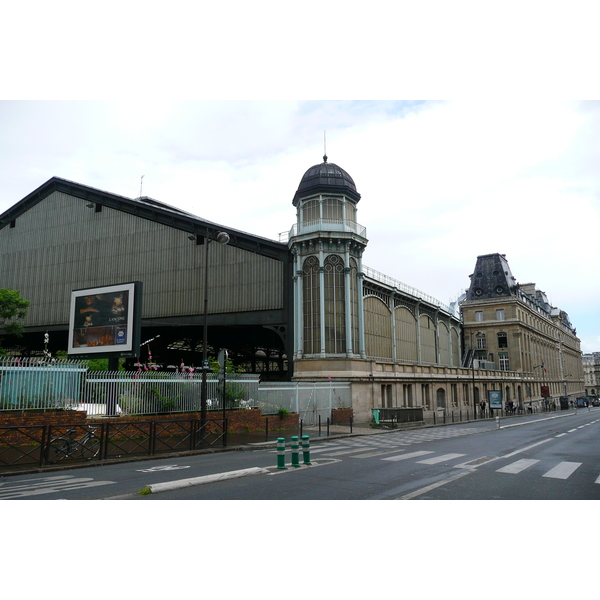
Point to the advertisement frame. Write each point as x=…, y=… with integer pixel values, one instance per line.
x=105, y=321
x=495, y=398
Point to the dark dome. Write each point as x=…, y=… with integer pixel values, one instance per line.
x=328, y=178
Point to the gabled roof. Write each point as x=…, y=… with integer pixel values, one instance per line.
x=147, y=208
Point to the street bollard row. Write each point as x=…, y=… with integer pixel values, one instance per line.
x=295, y=448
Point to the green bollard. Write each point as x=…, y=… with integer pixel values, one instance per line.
x=281, y=453
x=306, y=449
x=295, y=451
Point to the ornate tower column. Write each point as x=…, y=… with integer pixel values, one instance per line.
x=327, y=244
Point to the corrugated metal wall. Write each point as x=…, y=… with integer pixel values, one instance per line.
x=60, y=244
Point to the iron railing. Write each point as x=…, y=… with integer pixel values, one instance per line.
x=49, y=445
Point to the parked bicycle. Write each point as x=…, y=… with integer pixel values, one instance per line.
x=67, y=446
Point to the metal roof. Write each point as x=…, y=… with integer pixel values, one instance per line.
x=147, y=208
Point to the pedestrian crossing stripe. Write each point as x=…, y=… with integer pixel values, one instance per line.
x=438, y=459
x=562, y=470
x=409, y=455
x=518, y=466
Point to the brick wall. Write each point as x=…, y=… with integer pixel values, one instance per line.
x=238, y=421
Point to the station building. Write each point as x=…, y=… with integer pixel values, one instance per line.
x=303, y=308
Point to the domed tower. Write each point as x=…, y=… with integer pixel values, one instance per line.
x=327, y=244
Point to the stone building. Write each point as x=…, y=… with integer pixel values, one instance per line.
x=511, y=327
x=591, y=370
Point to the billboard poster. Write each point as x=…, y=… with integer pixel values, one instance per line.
x=495, y=398
x=105, y=321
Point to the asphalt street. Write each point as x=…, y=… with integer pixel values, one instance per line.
x=554, y=456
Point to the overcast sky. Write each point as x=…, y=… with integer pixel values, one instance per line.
x=440, y=182
x=507, y=166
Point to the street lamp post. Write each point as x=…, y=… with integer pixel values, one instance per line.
x=222, y=238
x=473, y=375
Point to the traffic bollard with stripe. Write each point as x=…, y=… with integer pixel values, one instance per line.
x=281, y=453
x=295, y=451
x=306, y=449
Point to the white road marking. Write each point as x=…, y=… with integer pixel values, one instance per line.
x=424, y=490
x=476, y=462
x=562, y=470
x=409, y=455
x=439, y=459
x=47, y=485
x=165, y=468
x=526, y=448
x=518, y=466
x=560, y=435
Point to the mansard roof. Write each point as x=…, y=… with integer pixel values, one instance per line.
x=492, y=278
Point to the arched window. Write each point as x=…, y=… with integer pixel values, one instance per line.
x=335, y=306
x=406, y=335
x=311, y=301
x=428, y=349
x=354, y=283
x=378, y=328
x=444, y=337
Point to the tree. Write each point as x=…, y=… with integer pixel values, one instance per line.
x=12, y=309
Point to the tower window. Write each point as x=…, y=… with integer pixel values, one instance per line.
x=311, y=312
x=335, y=305
x=332, y=210
x=311, y=211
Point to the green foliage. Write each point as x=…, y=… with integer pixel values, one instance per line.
x=164, y=403
x=229, y=366
x=12, y=309
x=101, y=364
x=282, y=413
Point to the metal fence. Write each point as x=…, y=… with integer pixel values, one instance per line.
x=60, y=385
x=309, y=400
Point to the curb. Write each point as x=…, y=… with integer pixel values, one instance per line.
x=156, y=488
